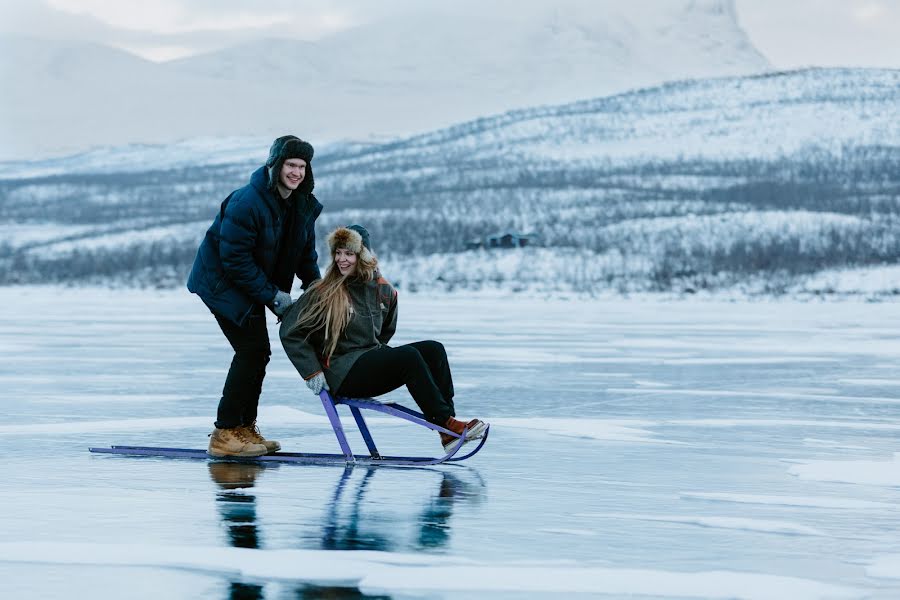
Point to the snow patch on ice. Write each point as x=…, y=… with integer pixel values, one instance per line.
x=862, y=381
x=596, y=429
x=886, y=567
x=281, y=415
x=758, y=525
x=818, y=443
x=576, y=532
x=751, y=394
x=804, y=501
x=850, y=425
x=651, y=384
x=866, y=472
x=372, y=571
x=81, y=398
x=607, y=430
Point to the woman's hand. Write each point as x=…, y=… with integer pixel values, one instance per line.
x=317, y=383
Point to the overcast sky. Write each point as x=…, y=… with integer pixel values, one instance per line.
x=790, y=33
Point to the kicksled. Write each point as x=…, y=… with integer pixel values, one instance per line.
x=456, y=453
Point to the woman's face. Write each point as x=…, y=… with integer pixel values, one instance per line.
x=345, y=260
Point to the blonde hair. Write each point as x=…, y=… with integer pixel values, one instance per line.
x=329, y=306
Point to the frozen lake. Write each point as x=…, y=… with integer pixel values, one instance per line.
x=644, y=448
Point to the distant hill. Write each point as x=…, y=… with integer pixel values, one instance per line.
x=392, y=77
x=756, y=181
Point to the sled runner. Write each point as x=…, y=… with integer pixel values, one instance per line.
x=347, y=457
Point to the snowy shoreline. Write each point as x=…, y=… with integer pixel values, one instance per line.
x=874, y=284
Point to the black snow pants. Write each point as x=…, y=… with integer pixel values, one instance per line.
x=243, y=385
x=421, y=366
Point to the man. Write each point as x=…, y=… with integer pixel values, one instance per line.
x=263, y=235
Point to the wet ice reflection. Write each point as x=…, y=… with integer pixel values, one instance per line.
x=349, y=523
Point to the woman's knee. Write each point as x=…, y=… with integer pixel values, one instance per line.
x=409, y=358
x=407, y=353
x=432, y=349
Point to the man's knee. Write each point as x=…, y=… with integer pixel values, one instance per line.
x=257, y=355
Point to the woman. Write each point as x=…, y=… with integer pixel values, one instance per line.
x=336, y=335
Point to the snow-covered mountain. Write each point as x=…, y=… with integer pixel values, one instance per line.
x=390, y=77
x=759, y=117
x=697, y=184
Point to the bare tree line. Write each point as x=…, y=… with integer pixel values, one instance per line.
x=644, y=210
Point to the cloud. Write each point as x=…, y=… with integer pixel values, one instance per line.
x=171, y=17
x=869, y=12
x=160, y=53
x=167, y=29
x=800, y=33
x=790, y=34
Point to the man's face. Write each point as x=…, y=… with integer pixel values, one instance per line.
x=293, y=172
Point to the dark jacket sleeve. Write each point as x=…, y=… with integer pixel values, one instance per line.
x=389, y=325
x=308, y=267
x=238, y=237
x=300, y=343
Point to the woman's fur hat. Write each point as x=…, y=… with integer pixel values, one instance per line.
x=363, y=232
x=285, y=148
x=344, y=237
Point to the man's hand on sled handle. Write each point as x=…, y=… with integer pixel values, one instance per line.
x=317, y=383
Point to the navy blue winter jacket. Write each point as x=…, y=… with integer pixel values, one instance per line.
x=243, y=260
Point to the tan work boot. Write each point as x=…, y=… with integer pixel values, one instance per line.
x=476, y=431
x=233, y=442
x=252, y=433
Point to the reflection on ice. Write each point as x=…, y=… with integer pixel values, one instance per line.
x=346, y=525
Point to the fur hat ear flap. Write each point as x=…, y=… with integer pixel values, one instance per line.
x=362, y=231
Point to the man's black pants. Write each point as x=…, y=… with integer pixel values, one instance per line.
x=243, y=385
x=421, y=366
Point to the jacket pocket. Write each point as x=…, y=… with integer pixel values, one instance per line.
x=221, y=285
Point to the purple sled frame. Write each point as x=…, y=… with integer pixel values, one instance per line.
x=347, y=457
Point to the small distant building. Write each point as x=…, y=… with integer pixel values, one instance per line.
x=503, y=239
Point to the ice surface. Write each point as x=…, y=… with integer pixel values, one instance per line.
x=380, y=571
x=871, y=472
x=697, y=449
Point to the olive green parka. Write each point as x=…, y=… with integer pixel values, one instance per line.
x=373, y=322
